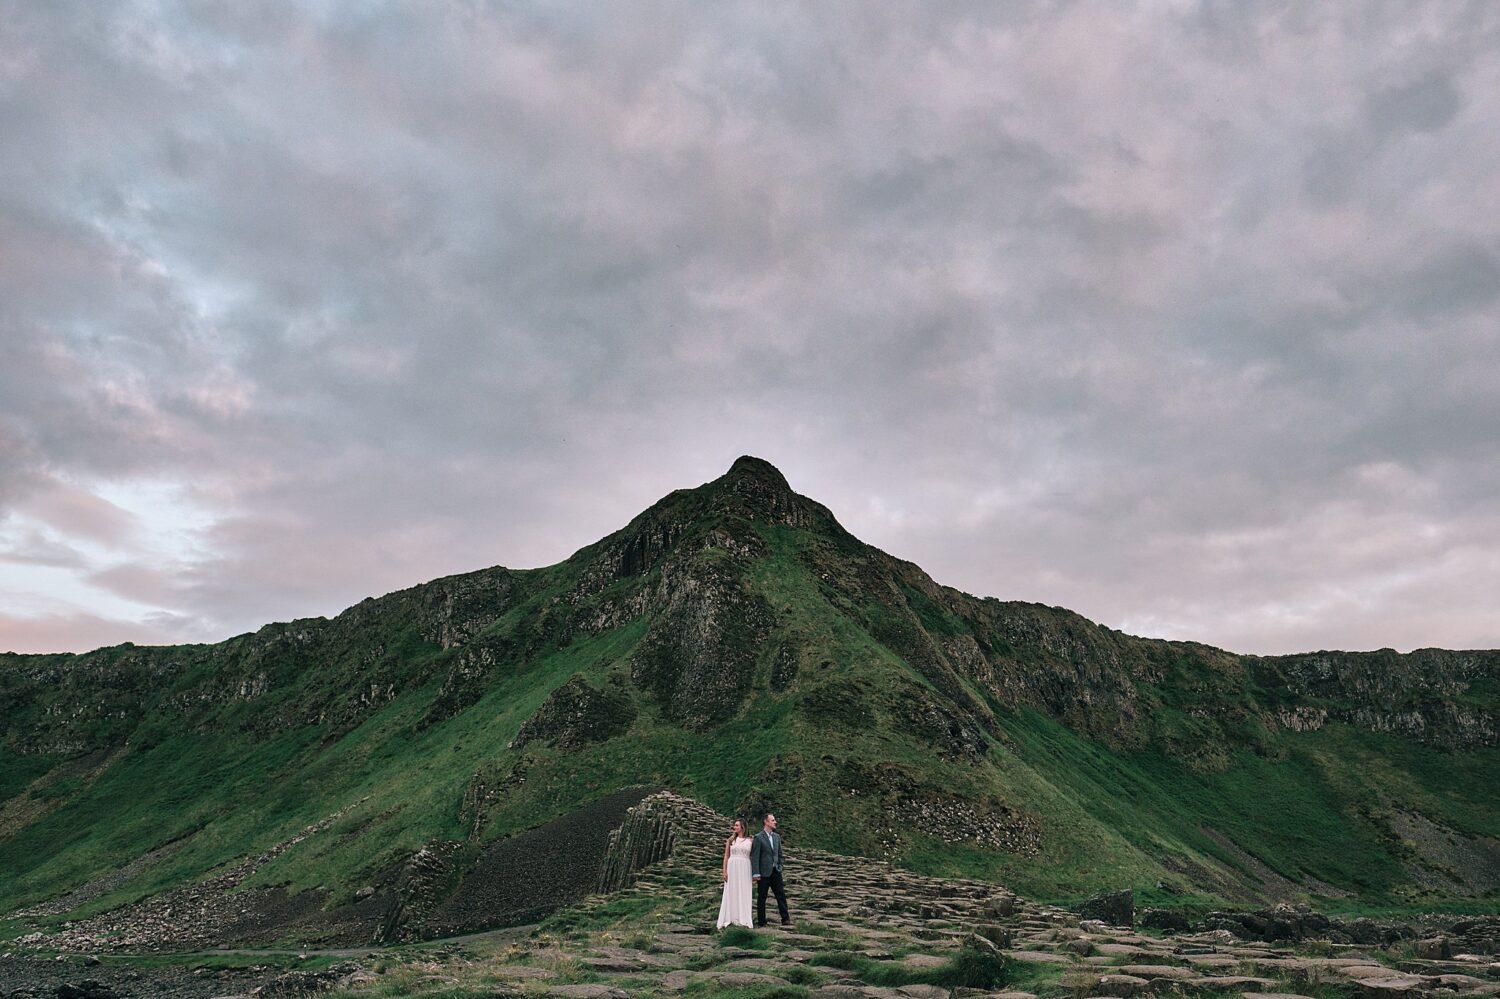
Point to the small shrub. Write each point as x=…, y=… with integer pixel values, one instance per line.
x=742, y=936
x=841, y=959
x=977, y=965
x=801, y=975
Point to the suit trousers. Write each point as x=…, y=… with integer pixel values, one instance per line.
x=770, y=881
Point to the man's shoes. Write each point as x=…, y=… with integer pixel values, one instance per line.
x=788, y=923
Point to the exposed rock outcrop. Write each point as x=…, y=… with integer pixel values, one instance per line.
x=520, y=878
x=576, y=714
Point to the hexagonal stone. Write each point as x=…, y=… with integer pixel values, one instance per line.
x=912, y=992
x=923, y=961
x=1469, y=985
x=1211, y=960
x=676, y=981
x=1230, y=983
x=1119, y=950
x=1120, y=985
x=740, y=979
x=1361, y=972
x=1155, y=972
x=1394, y=987
x=588, y=992
x=1041, y=956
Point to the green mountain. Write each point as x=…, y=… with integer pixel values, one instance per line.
x=733, y=643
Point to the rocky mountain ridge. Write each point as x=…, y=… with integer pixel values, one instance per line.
x=736, y=642
x=1082, y=673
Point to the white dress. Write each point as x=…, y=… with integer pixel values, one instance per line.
x=736, y=905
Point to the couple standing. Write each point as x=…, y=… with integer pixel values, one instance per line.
x=752, y=860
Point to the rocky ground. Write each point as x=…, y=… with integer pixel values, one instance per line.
x=72, y=977
x=861, y=929
x=864, y=929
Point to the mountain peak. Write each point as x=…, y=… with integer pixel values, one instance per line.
x=749, y=469
x=755, y=488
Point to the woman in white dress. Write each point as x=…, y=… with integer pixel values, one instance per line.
x=735, y=908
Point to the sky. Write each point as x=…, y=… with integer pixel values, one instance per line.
x=1185, y=316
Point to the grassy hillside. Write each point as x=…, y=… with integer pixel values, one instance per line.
x=735, y=644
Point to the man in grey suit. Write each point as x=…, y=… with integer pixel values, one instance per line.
x=765, y=870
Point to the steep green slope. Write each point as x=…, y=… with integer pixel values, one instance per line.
x=736, y=644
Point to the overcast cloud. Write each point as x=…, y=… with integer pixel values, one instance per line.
x=1185, y=316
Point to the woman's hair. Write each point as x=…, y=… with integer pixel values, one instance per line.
x=744, y=829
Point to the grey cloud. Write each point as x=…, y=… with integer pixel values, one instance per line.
x=64, y=632
x=1114, y=312
x=1459, y=278
x=34, y=547
x=1424, y=105
x=79, y=513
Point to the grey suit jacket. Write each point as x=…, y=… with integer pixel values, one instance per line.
x=765, y=854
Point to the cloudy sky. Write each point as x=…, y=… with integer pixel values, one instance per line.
x=1185, y=316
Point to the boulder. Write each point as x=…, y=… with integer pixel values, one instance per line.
x=1116, y=908
x=1164, y=919
x=996, y=934
x=1001, y=907
x=1434, y=949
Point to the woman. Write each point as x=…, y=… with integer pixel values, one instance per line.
x=735, y=908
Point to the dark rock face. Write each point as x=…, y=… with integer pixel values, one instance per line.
x=756, y=490
x=953, y=735
x=576, y=714
x=68, y=704
x=455, y=609
x=524, y=877
x=1117, y=908
x=785, y=667
x=645, y=837
x=1421, y=695
x=418, y=888
x=699, y=657
x=753, y=491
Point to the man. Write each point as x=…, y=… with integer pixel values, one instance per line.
x=765, y=870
